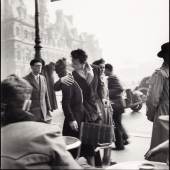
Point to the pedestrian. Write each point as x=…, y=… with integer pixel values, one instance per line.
x=158, y=101
x=72, y=104
x=105, y=106
x=40, y=106
x=115, y=95
x=25, y=143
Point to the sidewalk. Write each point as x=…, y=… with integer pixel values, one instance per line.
x=139, y=130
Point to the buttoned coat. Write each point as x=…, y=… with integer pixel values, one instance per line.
x=40, y=100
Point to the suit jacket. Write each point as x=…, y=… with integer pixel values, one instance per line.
x=40, y=100
x=34, y=145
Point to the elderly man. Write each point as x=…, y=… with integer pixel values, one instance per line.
x=26, y=144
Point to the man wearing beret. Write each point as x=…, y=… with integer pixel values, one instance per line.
x=40, y=106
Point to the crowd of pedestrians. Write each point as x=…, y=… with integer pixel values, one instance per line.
x=90, y=93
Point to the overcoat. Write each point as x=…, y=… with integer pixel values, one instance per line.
x=158, y=104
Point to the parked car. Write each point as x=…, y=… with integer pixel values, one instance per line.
x=143, y=85
x=134, y=99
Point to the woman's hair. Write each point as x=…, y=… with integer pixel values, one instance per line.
x=109, y=67
x=98, y=62
x=60, y=65
x=80, y=55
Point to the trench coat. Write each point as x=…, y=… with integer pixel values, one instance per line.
x=158, y=104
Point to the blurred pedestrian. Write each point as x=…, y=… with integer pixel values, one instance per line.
x=72, y=104
x=25, y=143
x=40, y=106
x=115, y=95
x=158, y=101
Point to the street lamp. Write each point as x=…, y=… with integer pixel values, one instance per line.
x=37, y=46
x=37, y=33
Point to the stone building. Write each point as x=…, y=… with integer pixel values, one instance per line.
x=57, y=39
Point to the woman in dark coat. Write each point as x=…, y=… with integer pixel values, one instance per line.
x=72, y=103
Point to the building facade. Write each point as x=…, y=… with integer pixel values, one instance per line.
x=57, y=39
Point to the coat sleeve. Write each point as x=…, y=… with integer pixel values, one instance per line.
x=57, y=85
x=114, y=86
x=100, y=85
x=47, y=97
x=66, y=101
x=154, y=94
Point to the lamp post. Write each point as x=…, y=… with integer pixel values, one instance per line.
x=37, y=46
x=37, y=33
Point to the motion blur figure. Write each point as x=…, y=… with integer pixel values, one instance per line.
x=115, y=96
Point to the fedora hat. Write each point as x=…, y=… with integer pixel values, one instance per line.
x=164, y=50
x=164, y=120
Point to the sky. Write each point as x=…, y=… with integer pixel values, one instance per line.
x=130, y=32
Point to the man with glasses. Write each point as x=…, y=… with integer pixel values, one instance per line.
x=40, y=100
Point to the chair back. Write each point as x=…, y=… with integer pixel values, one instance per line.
x=96, y=134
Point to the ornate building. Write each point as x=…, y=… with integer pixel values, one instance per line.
x=57, y=40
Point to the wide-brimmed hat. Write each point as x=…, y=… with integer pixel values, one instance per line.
x=164, y=50
x=164, y=120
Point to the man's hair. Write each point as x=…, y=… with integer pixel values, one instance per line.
x=37, y=60
x=98, y=62
x=109, y=67
x=14, y=90
x=80, y=55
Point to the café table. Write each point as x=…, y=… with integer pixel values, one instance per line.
x=137, y=165
x=71, y=142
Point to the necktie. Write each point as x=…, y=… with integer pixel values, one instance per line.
x=37, y=79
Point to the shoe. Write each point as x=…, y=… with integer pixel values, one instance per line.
x=125, y=142
x=112, y=163
x=118, y=149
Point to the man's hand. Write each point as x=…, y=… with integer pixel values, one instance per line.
x=67, y=80
x=74, y=125
x=106, y=102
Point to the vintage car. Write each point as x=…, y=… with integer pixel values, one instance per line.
x=135, y=98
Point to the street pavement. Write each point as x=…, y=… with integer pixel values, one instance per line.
x=138, y=128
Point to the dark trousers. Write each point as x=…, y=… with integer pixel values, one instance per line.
x=120, y=132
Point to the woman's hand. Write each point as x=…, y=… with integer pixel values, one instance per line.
x=74, y=125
